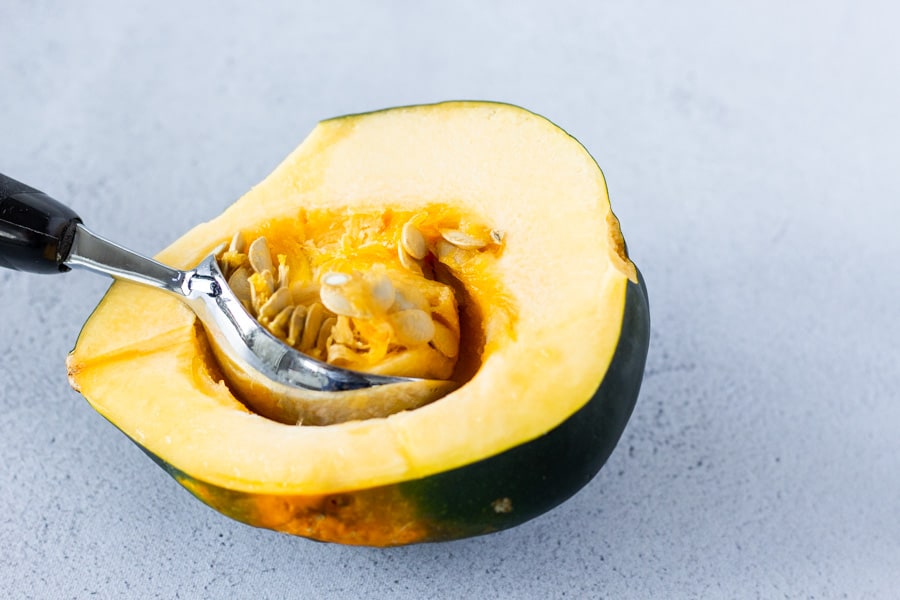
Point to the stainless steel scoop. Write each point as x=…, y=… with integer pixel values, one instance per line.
x=40, y=235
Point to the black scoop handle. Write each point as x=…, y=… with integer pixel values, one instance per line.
x=36, y=231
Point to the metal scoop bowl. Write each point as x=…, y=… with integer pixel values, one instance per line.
x=40, y=235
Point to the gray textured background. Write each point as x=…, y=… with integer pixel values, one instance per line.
x=751, y=150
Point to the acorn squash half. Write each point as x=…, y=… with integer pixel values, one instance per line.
x=554, y=332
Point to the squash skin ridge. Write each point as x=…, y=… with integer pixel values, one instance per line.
x=472, y=499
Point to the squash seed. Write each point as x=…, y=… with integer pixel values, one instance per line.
x=463, y=240
x=443, y=249
x=282, y=272
x=412, y=327
x=237, y=243
x=497, y=236
x=315, y=315
x=240, y=284
x=260, y=257
x=295, y=325
x=413, y=241
x=324, y=334
x=332, y=296
x=407, y=261
x=276, y=303
x=361, y=296
x=451, y=255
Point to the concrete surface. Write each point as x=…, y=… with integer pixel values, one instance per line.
x=751, y=150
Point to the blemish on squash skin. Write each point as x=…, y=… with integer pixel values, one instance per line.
x=372, y=517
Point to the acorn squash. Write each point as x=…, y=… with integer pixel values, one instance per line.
x=552, y=334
